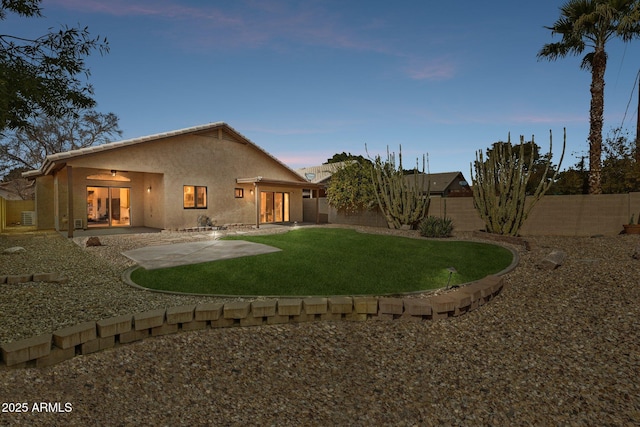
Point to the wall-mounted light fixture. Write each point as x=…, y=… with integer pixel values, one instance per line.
x=251, y=191
x=113, y=172
x=239, y=193
x=149, y=189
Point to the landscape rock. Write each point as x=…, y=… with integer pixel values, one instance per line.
x=636, y=253
x=14, y=250
x=93, y=241
x=553, y=260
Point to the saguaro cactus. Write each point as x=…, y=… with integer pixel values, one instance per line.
x=404, y=200
x=500, y=182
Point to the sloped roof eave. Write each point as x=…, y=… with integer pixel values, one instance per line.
x=277, y=182
x=58, y=158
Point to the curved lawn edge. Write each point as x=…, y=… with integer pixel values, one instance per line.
x=126, y=278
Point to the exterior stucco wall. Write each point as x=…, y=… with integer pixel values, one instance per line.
x=45, y=202
x=213, y=160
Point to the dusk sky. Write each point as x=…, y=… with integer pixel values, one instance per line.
x=307, y=79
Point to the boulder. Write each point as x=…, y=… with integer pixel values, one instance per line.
x=553, y=260
x=93, y=241
x=14, y=250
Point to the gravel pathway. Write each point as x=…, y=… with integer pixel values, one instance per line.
x=556, y=347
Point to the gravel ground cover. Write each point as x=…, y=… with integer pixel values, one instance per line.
x=558, y=347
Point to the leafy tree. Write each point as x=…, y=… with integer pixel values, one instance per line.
x=343, y=157
x=41, y=76
x=27, y=147
x=531, y=158
x=591, y=24
x=574, y=180
x=620, y=170
x=351, y=188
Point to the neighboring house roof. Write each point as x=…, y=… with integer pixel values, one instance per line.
x=57, y=160
x=441, y=182
x=319, y=174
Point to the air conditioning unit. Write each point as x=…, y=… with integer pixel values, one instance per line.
x=77, y=224
x=28, y=218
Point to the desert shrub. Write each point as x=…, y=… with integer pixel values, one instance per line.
x=435, y=226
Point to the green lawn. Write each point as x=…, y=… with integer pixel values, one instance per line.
x=330, y=261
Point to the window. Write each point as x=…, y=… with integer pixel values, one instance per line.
x=239, y=193
x=194, y=197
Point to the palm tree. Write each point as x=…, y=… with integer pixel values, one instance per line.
x=591, y=24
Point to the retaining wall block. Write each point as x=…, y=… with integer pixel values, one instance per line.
x=19, y=278
x=463, y=302
x=356, y=317
x=195, y=325
x=236, y=310
x=479, y=288
x=365, y=305
x=473, y=292
x=390, y=306
x=164, y=329
x=252, y=321
x=73, y=335
x=315, y=305
x=340, y=305
x=406, y=317
x=149, y=319
x=263, y=308
x=497, y=283
x=59, y=279
x=132, y=336
x=442, y=306
x=382, y=316
x=329, y=316
x=417, y=307
x=180, y=314
x=277, y=319
x=289, y=307
x=100, y=343
x=56, y=355
x=44, y=277
x=208, y=311
x=303, y=317
x=114, y=325
x=27, y=349
x=224, y=323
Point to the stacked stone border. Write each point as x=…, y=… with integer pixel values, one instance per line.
x=35, y=277
x=90, y=337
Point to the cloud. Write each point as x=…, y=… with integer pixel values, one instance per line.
x=434, y=70
x=243, y=24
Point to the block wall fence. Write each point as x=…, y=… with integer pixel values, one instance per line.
x=574, y=215
x=90, y=337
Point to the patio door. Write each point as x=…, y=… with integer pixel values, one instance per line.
x=108, y=206
x=274, y=207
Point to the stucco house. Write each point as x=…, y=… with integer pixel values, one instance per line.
x=167, y=181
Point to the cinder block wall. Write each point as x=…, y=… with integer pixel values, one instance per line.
x=575, y=215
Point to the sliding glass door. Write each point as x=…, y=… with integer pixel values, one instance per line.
x=274, y=207
x=108, y=206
